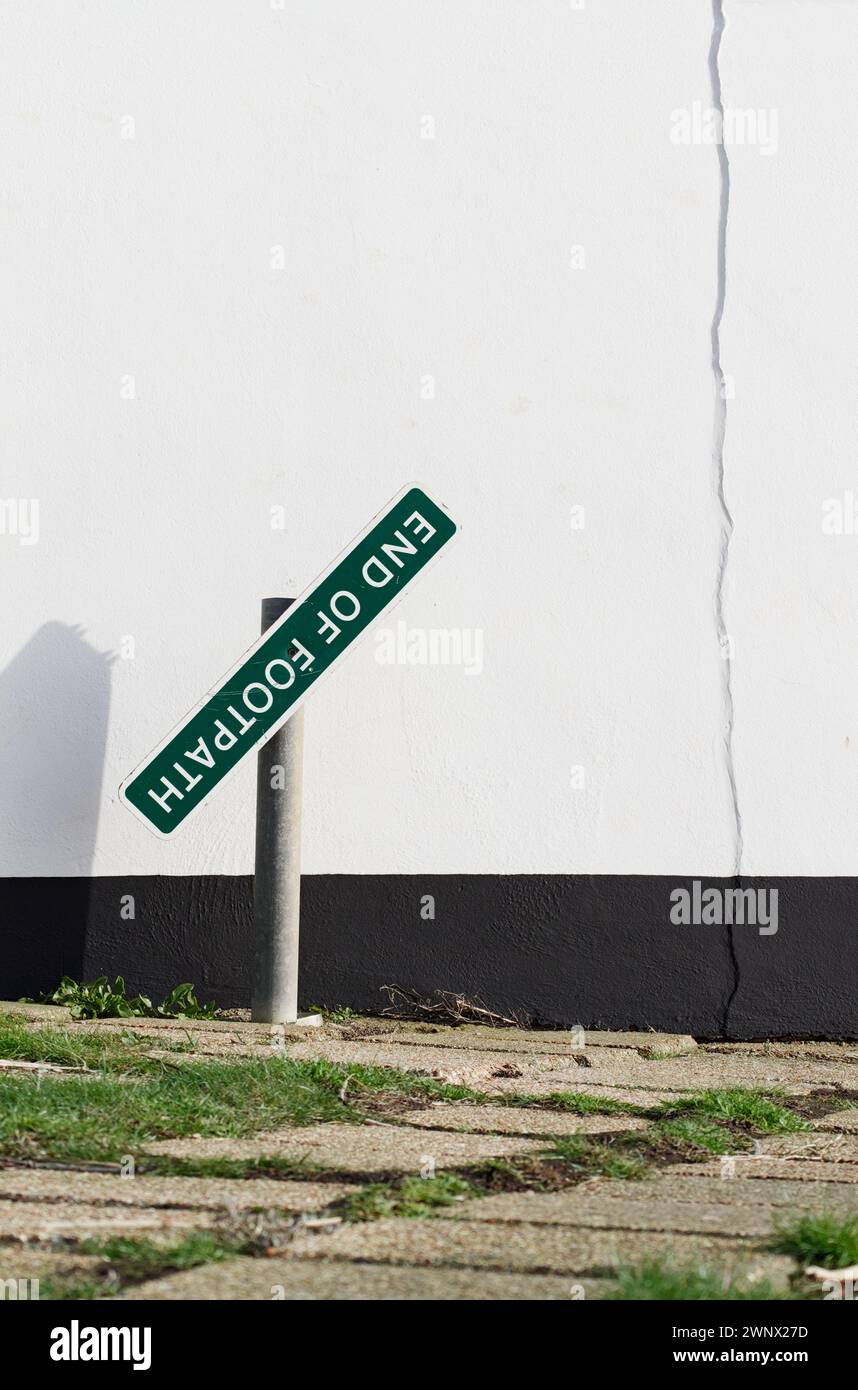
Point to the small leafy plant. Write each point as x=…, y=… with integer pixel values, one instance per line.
x=182, y=1002
x=99, y=999
x=340, y=1014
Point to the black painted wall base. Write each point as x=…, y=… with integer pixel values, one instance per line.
x=561, y=949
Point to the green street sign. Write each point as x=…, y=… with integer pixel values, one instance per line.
x=273, y=678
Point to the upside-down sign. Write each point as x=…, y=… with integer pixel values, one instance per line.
x=272, y=679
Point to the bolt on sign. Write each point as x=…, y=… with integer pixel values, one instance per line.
x=273, y=678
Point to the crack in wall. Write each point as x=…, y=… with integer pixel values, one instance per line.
x=720, y=430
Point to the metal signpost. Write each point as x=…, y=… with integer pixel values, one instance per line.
x=300, y=642
x=277, y=873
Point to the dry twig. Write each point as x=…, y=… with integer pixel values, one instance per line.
x=446, y=1006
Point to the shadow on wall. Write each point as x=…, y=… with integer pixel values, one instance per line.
x=54, y=706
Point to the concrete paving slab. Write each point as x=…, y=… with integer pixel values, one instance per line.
x=661, y=1044
x=369, y=1149
x=507, y=1041
x=841, y=1121
x=649, y=1079
x=44, y=1014
x=831, y=1145
x=475, y=1067
x=692, y=1186
x=17, y=1064
x=53, y=1221
x=776, y=1191
x=203, y=1044
x=622, y=1215
x=34, y=1185
x=551, y=1083
x=708, y=1071
x=466, y=1037
x=541, y=1078
x=463, y=1066
x=765, y=1167
x=547, y=1043
x=185, y=1026
x=229, y=1049
x=824, y=1051
x=319, y=1280
x=737, y=1207
x=537, y=1248
x=479, y=1034
x=515, y=1119
x=487, y=1070
x=20, y=1262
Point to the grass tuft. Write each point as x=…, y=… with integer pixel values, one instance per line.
x=102, y=1117
x=409, y=1197
x=652, y=1280
x=753, y=1109
x=819, y=1238
x=131, y=1260
x=336, y=1014
x=99, y=1050
x=616, y=1157
x=700, y=1133
x=138, y=1258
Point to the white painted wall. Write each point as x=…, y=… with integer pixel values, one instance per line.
x=303, y=128
x=789, y=337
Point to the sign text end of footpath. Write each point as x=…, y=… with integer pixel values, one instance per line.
x=273, y=678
